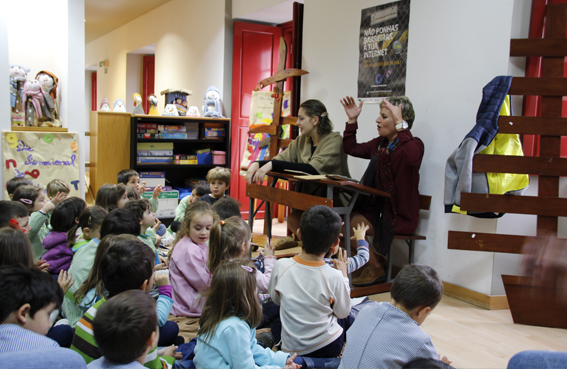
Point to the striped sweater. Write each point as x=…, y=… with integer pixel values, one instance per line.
x=84, y=342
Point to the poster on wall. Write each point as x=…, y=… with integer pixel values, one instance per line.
x=41, y=157
x=383, y=50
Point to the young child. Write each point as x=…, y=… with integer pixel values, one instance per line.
x=16, y=182
x=363, y=255
x=111, y=196
x=90, y=222
x=28, y=300
x=125, y=265
x=14, y=213
x=132, y=316
x=199, y=190
x=219, y=182
x=227, y=207
x=15, y=248
x=387, y=335
x=188, y=260
x=227, y=333
x=143, y=212
x=314, y=298
x=33, y=198
x=57, y=186
x=130, y=177
x=64, y=218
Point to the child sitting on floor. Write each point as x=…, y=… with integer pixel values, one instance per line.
x=199, y=190
x=188, y=260
x=111, y=196
x=314, y=298
x=227, y=207
x=227, y=334
x=131, y=178
x=387, y=335
x=14, y=183
x=219, y=182
x=33, y=198
x=57, y=186
x=132, y=316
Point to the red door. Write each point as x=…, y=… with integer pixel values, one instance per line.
x=255, y=57
x=149, y=63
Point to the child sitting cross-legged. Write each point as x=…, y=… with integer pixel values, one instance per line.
x=387, y=335
x=125, y=330
x=227, y=334
x=126, y=264
x=314, y=297
x=111, y=196
x=199, y=190
x=219, y=182
x=143, y=212
x=131, y=178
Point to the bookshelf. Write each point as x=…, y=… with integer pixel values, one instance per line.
x=175, y=174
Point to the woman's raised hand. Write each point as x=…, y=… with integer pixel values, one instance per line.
x=396, y=111
x=351, y=109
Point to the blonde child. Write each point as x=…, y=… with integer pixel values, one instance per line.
x=227, y=333
x=90, y=222
x=64, y=218
x=188, y=260
x=40, y=210
x=219, y=182
x=111, y=196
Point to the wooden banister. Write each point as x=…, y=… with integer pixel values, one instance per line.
x=550, y=47
x=537, y=205
x=533, y=165
x=548, y=126
x=538, y=86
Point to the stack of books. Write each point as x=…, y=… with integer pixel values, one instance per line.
x=155, y=153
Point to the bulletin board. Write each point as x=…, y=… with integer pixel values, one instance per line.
x=41, y=157
x=261, y=113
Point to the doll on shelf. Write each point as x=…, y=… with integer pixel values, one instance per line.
x=33, y=98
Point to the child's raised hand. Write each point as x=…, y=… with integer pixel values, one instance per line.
x=269, y=249
x=142, y=188
x=65, y=280
x=157, y=191
x=359, y=233
x=161, y=279
x=341, y=262
x=42, y=265
x=156, y=226
x=445, y=359
x=51, y=204
x=170, y=351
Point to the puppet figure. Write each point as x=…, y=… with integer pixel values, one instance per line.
x=212, y=104
x=170, y=110
x=50, y=109
x=104, y=105
x=193, y=112
x=119, y=106
x=33, y=97
x=17, y=78
x=138, y=109
x=153, y=104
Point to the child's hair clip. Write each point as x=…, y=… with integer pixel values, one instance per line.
x=247, y=268
x=14, y=224
x=222, y=222
x=26, y=201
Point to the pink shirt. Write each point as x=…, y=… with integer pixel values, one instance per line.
x=189, y=277
x=263, y=279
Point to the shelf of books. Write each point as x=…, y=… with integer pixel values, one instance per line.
x=176, y=152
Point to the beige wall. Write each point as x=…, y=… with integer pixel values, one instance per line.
x=190, y=50
x=241, y=8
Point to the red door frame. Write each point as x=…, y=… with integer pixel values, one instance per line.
x=148, y=79
x=93, y=91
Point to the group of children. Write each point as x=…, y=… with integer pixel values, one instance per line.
x=103, y=276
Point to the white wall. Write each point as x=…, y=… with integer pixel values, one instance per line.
x=451, y=57
x=134, y=71
x=61, y=53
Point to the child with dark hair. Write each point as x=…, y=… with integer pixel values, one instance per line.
x=124, y=265
x=387, y=335
x=28, y=302
x=227, y=207
x=33, y=198
x=64, y=218
x=227, y=333
x=314, y=298
x=90, y=222
x=111, y=196
x=125, y=330
x=57, y=186
x=16, y=182
x=14, y=213
x=143, y=212
x=15, y=248
x=131, y=178
x=120, y=221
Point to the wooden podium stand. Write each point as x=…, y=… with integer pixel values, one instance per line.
x=549, y=166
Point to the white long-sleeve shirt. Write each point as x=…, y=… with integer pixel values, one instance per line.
x=312, y=296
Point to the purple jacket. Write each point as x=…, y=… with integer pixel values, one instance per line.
x=58, y=255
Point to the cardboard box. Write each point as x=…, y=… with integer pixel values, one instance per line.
x=155, y=146
x=173, y=135
x=155, y=152
x=155, y=160
x=167, y=200
x=168, y=128
x=153, y=179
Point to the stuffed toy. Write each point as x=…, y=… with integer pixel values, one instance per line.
x=212, y=105
x=138, y=109
x=170, y=110
x=153, y=105
x=193, y=112
x=48, y=82
x=18, y=75
x=104, y=105
x=119, y=106
x=33, y=97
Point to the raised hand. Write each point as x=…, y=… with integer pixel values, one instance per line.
x=359, y=233
x=396, y=111
x=157, y=191
x=269, y=249
x=351, y=109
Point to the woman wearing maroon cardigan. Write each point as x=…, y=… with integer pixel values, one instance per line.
x=394, y=168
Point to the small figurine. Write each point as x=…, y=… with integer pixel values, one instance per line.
x=193, y=112
x=153, y=104
x=104, y=105
x=119, y=106
x=138, y=109
x=18, y=75
x=170, y=110
x=33, y=97
x=50, y=109
x=177, y=97
x=212, y=104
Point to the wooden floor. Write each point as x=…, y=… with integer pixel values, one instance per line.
x=474, y=337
